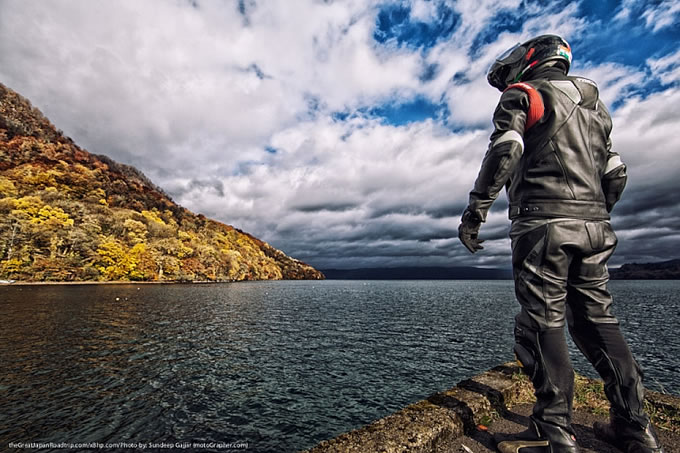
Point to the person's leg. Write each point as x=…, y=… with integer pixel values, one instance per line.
x=596, y=332
x=540, y=266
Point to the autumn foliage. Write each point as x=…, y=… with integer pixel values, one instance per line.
x=68, y=215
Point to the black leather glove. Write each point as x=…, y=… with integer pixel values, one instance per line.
x=613, y=184
x=468, y=231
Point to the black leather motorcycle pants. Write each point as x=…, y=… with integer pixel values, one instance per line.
x=561, y=277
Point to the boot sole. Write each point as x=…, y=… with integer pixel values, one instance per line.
x=515, y=445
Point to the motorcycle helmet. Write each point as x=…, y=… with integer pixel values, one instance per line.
x=515, y=63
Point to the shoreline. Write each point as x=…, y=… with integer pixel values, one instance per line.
x=132, y=282
x=206, y=282
x=115, y=282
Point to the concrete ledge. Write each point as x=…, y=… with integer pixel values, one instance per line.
x=432, y=424
x=424, y=426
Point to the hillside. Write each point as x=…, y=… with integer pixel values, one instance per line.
x=666, y=270
x=69, y=215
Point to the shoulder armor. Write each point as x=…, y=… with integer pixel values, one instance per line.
x=569, y=89
x=589, y=92
x=536, y=107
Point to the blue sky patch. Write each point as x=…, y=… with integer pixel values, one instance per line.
x=429, y=72
x=504, y=21
x=603, y=9
x=629, y=43
x=340, y=116
x=460, y=78
x=398, y=112
x=395, y=24
x=417, y=109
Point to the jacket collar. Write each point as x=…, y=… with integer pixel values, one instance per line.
x=546, y=72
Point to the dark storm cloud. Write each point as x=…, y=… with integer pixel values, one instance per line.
x=215, y=185
x=649, y=198
x=326, y=206
x=394, y=230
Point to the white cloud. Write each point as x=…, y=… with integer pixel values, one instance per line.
x=471, y=102
x=645, y=135
x=663, y=15
x=656, y=15
x=424, y=10
x=147, y=75
x=625, y=10
x=192, y=96
x=615, y=82
x=333, y=180
x=645, y=130
x=666, y=68
x=475, y=14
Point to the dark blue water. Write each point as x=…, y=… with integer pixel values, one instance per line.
x=277, y=365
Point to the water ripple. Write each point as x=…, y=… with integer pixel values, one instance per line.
x=280, y=365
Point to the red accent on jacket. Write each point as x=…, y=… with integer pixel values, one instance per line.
x=536, y=107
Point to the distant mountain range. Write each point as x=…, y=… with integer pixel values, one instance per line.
x=418, y=273
x=69, y=215
x=668, y=270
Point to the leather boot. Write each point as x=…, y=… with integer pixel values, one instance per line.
x=539, y=438
x=628, y=437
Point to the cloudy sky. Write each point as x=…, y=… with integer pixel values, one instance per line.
x=347, y=133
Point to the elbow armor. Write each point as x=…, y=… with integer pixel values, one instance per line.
x=614, y=181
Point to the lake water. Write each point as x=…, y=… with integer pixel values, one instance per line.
x=277, y=365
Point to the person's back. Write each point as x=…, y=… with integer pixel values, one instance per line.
x=551, y=150
x=560, y=172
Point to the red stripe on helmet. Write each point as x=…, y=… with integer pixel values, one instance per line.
x=530, y=53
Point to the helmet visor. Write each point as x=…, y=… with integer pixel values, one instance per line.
x=512, y=55
x=506, y=66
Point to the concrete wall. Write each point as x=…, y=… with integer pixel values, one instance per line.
x=424, y=425
x=433, y=423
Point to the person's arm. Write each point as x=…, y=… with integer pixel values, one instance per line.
x=614, y=178
x=505, y=149
x=614, y=174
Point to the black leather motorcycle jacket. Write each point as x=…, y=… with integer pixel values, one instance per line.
x=560, y=167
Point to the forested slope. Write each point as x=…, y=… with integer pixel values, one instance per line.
x=69, y=215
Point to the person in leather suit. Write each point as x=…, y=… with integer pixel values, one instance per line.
x=550, y=148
